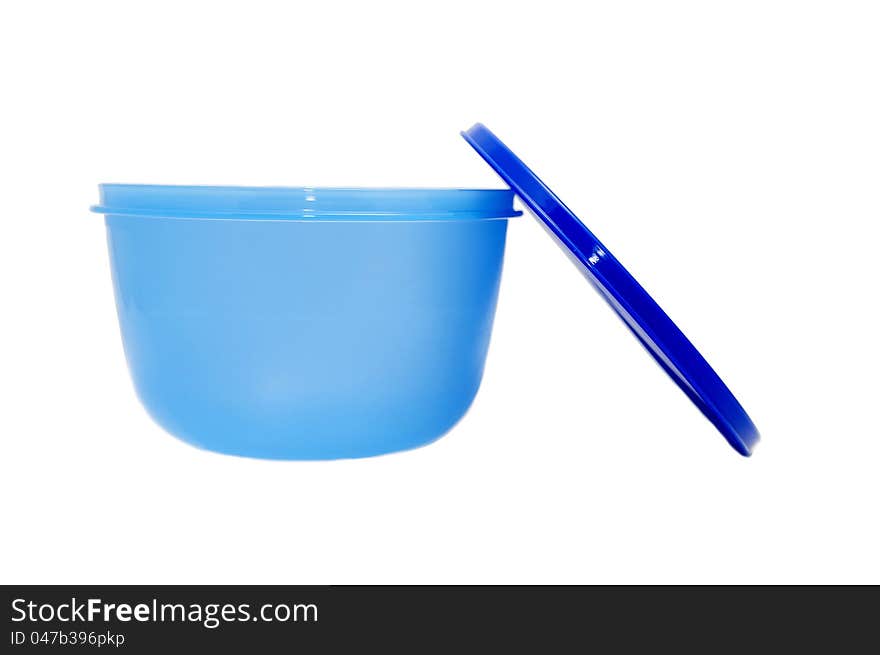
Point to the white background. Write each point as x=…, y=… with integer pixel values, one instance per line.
x=728, y=153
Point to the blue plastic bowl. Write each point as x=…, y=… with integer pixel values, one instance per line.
x=299, y=323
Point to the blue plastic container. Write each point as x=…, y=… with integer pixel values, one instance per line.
x=300, y=323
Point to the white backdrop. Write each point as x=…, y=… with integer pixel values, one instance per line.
x=726, y=152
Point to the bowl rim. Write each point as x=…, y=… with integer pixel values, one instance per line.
x=305, y=203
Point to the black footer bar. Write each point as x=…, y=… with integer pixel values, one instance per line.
x=417, y=618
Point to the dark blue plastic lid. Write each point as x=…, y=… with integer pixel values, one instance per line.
x=662, y=338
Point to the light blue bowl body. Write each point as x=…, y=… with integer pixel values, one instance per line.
x=305, y=323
